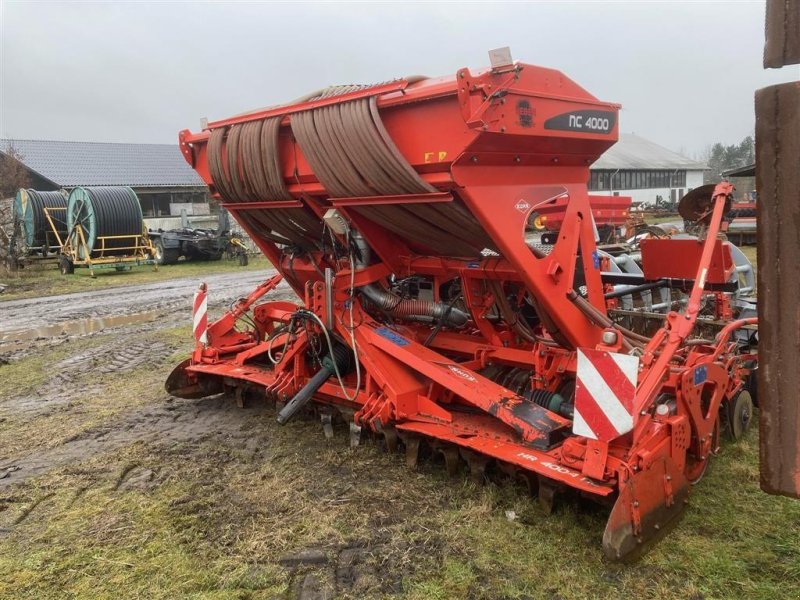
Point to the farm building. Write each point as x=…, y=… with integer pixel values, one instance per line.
x=165, y=184
x=645, y=171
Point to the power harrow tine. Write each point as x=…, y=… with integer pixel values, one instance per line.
x=412, y=444
x=327, y=423
x=452, y=459
x=546, y=493
x=434, y=310
x=355, y=435
x=477, y=464
x=391, y=438
x=529, y=480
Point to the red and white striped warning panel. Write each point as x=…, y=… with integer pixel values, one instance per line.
x=200, y=315
x=604, y=393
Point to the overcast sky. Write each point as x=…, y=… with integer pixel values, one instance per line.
x=684, y=72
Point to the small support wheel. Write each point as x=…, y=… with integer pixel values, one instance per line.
x=66, y=266
x=740, y=414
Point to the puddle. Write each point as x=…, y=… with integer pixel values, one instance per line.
x=15, y=339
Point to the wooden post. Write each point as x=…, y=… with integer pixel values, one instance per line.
x=783, y=33
x=778, y=186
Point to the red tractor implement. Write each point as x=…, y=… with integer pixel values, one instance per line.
x=402, y=216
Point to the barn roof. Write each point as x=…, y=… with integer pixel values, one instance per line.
x=71, y=164
x=634, y=152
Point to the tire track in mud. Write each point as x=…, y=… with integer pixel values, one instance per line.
x=111, y=358
x=77, y=375
x=173, y=422
x=165, y=420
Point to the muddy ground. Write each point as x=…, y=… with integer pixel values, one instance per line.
x=110, y=488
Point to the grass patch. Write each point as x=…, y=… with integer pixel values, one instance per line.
x=45, y=401
x=735, y=542
x=218, y=520
x=48, y=281
x=133, y=544
x=222, y=517
x=19, y=377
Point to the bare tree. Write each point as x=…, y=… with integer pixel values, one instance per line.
x=13, y=175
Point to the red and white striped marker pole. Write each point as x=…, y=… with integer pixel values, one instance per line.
x=200, y=315
x=604, y=393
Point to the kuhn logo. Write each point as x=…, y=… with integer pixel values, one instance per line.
x=525, y=113
x=461, y=373
x=522, y=205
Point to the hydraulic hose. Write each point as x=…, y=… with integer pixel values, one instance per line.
x=629, y=338
x=412, y=310
x=342, y=356
x=509, y=316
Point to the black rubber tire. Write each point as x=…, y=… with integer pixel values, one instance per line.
x=171, y=256
x=243, y=259
x=158, y=251
x=65, y=266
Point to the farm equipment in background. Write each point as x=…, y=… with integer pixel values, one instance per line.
x=611, y=214
x=105, y=230
x=92, y=227
x=237, y=250
x=192, y=243
x=742, y=226
x=400, y=214
x=739, y=224
x=38, y=224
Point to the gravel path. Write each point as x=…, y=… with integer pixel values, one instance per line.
x=79, y=313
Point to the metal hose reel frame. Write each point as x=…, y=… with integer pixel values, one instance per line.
x=29, y=212
x=110, y=219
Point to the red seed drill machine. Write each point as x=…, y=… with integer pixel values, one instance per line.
x=433, y=313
